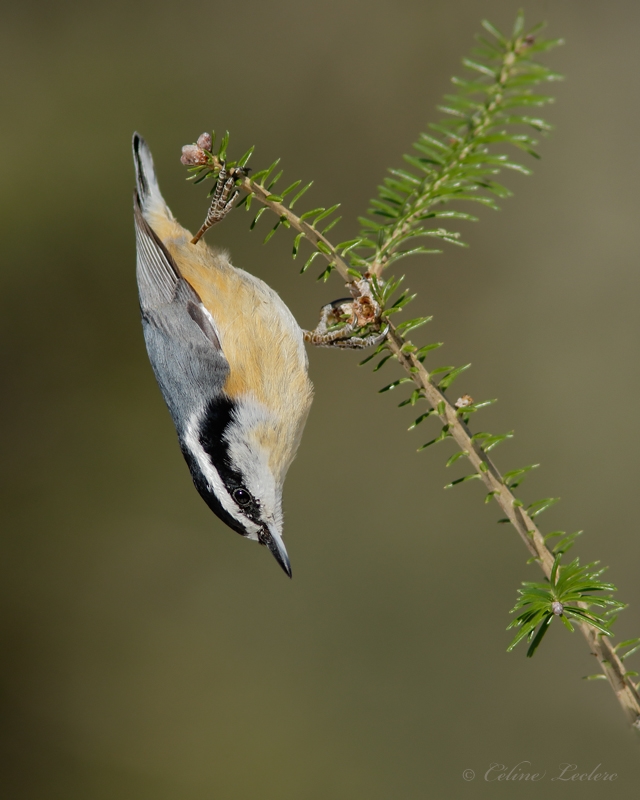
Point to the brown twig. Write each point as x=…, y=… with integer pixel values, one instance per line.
x=600, y=646
x=263, y=196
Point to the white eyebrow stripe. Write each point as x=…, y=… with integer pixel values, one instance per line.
x=216, y=483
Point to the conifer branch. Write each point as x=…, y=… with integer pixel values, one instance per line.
x=462, y=148
x=600, y=646
x=315, y=237
x=455, y=164
x=204, y=163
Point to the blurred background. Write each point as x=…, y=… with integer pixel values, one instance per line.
x=149, y=652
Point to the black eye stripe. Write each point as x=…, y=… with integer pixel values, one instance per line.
x=208, y=496
x=218, y=416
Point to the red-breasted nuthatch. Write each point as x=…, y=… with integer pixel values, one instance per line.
x=230, y=361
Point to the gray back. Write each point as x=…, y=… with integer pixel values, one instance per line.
x=183, y=347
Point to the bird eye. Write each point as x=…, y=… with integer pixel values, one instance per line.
x=242, y=497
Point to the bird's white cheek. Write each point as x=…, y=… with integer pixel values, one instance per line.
x=252, y=461
x=251, y=458
x=214, y=480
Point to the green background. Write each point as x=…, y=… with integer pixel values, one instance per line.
x=150, y=653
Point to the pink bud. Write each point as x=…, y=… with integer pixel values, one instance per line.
x=193, y=155
x=205, y=142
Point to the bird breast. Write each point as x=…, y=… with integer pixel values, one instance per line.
x=262, y=342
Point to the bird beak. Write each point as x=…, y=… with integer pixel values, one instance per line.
x=272, y=539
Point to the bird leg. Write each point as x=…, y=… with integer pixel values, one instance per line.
x=359, y=311
x=222, y=199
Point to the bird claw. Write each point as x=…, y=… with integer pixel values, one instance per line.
x=362, y=311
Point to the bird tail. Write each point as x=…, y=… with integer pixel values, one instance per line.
x=149, y=196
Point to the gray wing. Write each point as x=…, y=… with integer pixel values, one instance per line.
x=160, y=282
x=157, y=273
x=183, y=346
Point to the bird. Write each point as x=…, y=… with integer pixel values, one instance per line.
x=229, y=358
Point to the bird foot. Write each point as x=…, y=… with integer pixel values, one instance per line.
x=342, y=318
x=224, y=195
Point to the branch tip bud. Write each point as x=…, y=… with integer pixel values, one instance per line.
x=192, y=155
x=205, y=142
